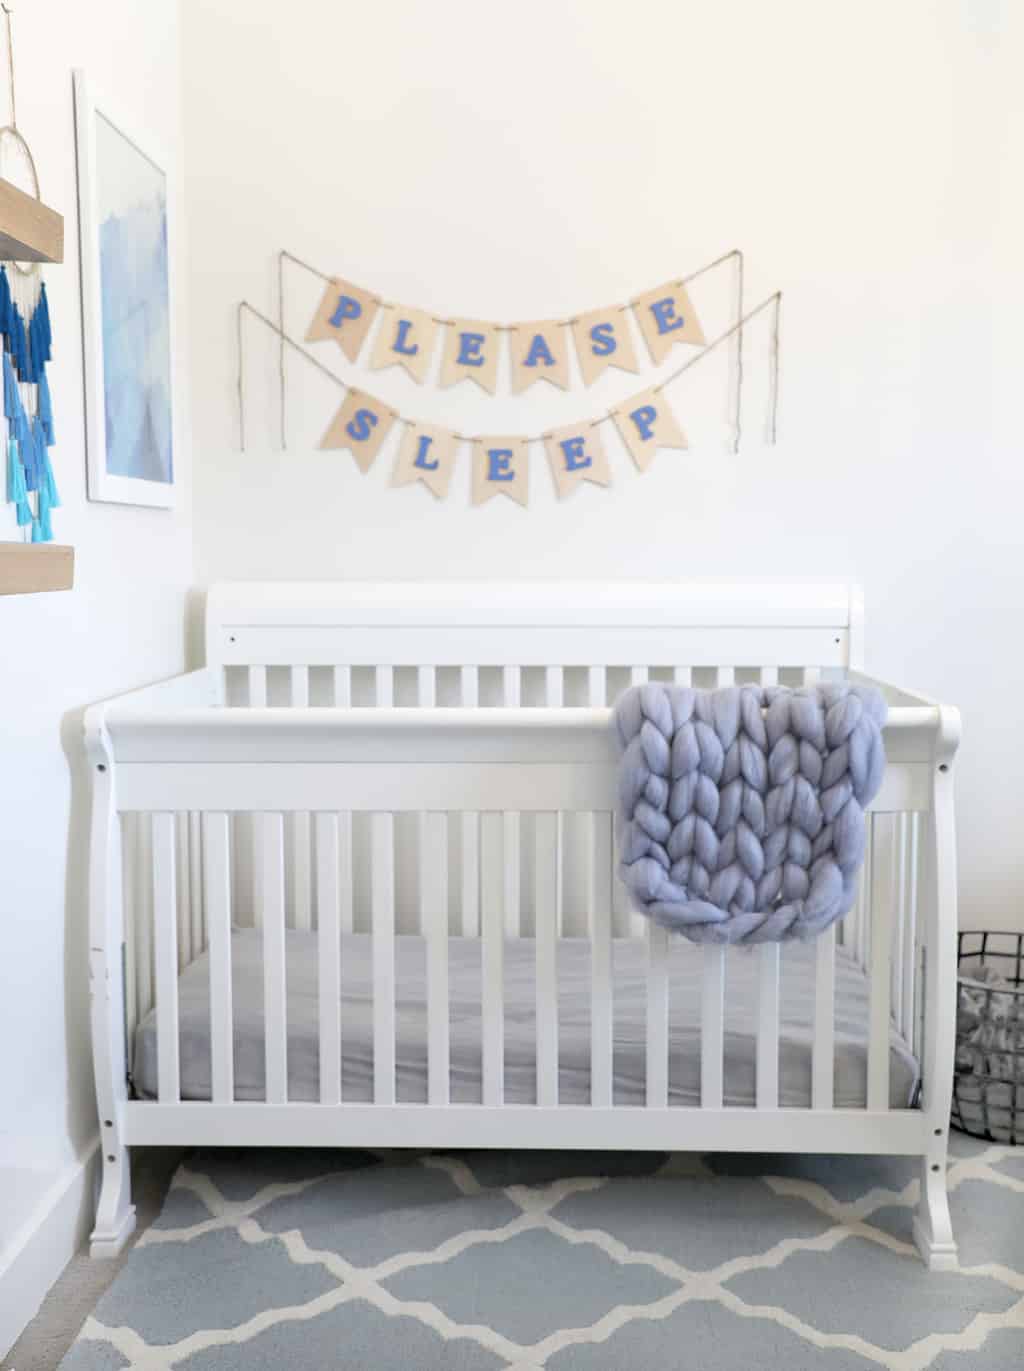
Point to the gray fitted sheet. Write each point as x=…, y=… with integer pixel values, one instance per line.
x=629, y=998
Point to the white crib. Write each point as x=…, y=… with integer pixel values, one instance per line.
x=258, y=791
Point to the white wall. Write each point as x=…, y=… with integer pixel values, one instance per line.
x=121, y=625
x=533, y=159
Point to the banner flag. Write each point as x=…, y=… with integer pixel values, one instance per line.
x=426, y=454
x=666, y=317
x=405, y=338
x=576, y=455
x=603, y=340
x=645, y=424
x=345, y=314
x=539, y=352
x=500, y=467
x=470, y=351
x=360, y=425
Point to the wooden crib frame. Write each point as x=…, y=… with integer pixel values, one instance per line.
x=174, y=766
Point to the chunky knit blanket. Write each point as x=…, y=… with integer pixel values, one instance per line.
x=741, y=810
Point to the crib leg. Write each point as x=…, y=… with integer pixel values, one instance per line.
x=933, y=1230
x=115, y=1213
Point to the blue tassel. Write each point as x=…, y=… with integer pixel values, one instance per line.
x=15, y=474
x=29, y=448
x=45, y=526
x=44, y=331
x=19, y=343
x=50, y=483
x=16, y=491
x=12, y=400
x=37, y=532
x=5, y=304
x=44, y=407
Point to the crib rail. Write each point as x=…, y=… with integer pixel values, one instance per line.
x=516, y=780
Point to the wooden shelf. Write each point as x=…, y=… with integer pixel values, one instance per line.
x=29, y=230
x=26, y=568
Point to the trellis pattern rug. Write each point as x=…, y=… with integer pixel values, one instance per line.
x=568, y=1262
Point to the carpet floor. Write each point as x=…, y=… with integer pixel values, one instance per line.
x=562, y=1261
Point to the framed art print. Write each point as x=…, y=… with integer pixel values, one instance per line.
x=125, y=223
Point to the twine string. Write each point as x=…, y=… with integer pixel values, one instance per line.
x=284, y=255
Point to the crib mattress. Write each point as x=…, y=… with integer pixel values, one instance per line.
x=573, y=956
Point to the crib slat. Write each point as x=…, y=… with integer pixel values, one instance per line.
x=328, y=933
x=195, y=876
x=257, y=687
x=129, y=885
x=382, y=907
x=342, y=687
x=470, y=896
x=682, y=675
x=823, y=1048
x=385, y=687
x=492, y=932
x=143, y=883
x=217, y=876
x=299, y=687
x=599, y=902
x=302, y=884
x=909, y=923
x=547, y=899
x=899, y=915
x=881, y=951
x=725, y=676
x=184, y=889
x=274, y=985
x=165, y=938
x=434, y=923
x=638, y=675
x=426, y=687
x=769, y=675
x=767, y=1088
x=597, y=838
x=511, y=698
x=712, y=1027
x=812, y=675
x=657, y=1016
x=343, y=700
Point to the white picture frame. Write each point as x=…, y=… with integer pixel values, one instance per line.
x=127, y=227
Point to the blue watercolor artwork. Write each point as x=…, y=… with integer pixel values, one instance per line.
x=135, y=306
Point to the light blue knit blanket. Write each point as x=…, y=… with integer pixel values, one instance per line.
x=741, y=810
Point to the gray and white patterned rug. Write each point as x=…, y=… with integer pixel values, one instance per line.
x=563, y=1261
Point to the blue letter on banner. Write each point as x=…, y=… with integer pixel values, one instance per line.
x=421, y=454
x=644, y=418
x=347, y=308
x=399, y=345
x=362, y=424
x=665, y=316
x=469, y=350
x=602, y=340
x=539, y=349
x=499, y=464
x=575, y=457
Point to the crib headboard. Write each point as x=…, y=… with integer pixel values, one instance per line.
x=722, y=630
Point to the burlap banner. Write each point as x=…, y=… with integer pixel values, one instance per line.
x=500, y=466
x=453, y=350
x=471, y=349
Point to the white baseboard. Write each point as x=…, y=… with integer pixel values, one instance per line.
x=40, y=1250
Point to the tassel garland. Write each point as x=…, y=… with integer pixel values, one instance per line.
x=25, y=352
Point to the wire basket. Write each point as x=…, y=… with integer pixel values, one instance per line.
x=988, y=1081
